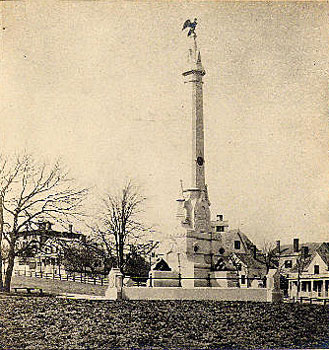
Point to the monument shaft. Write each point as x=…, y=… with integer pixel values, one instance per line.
x=193, y=77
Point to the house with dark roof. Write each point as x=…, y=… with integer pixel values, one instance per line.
x=40, y=249
x=236, y=241
x=242, y=259
x=306, y=268
x=251, y=268
x=289, y=253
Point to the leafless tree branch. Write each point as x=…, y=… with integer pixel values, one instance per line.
x=121, y=222
x=32, y=191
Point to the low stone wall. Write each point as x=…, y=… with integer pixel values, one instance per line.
x=116, y=291
x=196, y=293
x=163, y=278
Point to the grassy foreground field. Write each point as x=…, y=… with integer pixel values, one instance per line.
x=51, y=323
x=58, y=287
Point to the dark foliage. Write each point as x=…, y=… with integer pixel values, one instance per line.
x=136, y=266
x=85, y=257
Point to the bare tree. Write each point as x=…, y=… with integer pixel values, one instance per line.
x=270, y=255
x=121, y=222
x=32, y=191
x=8, y=174
x=301, y=262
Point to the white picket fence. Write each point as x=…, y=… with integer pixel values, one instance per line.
x=64, y=276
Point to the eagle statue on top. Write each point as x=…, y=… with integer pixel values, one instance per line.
x=191, y=25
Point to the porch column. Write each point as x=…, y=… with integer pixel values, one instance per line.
x=326, y=288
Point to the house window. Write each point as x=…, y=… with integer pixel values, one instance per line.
x=32, y=265
x=219, y=228
x=288, y=264
x=243, y=279
x=316, y=269
x=237, y=244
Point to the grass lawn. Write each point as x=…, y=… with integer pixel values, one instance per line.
x=51, y=323
x=58, y=287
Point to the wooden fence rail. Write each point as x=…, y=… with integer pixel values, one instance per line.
x=95, y=280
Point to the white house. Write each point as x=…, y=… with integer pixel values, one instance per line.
x=306, y=269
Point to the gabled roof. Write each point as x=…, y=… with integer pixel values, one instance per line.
x=246, y=242
x=161, y=265
x=323, y=251
x=224, y=263
x=314, y=248
x=251, y=262
x=288, y=249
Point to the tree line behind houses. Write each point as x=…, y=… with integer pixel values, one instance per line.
x=34, y=192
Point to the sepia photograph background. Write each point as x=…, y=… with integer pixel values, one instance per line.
x=99, y=84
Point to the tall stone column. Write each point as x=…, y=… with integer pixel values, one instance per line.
x=195, y=241
x=193, y=77
x=196, y=196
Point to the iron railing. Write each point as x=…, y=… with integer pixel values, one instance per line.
x=208, y=279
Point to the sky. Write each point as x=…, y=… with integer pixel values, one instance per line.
x=99, y=84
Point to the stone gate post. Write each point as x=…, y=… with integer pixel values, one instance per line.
x=114, y=290
x=274, y=293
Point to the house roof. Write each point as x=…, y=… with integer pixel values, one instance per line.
x=314, y=248
x=247, y=257
x=251, y=262
x=288, y=249
x=50, y=233
x=246, y=242
x=323, y=251
x=224, y=263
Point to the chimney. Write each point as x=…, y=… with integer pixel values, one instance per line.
x=70, y=228
x=304, y=252
x=296, y=245
x=278, y=246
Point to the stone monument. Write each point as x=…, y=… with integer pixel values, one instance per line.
x=197, y=239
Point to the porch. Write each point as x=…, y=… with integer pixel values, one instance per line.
x=309, y=288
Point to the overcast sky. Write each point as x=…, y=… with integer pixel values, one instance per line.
x=99, y=83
